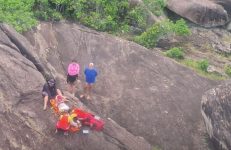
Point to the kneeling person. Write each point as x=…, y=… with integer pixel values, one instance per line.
x=49, y=91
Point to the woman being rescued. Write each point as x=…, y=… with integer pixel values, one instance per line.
x=60, y=103
x=68, y=122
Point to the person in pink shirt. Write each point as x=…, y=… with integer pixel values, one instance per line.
x=72, y=75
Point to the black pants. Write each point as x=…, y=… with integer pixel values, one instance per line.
x=71, y=79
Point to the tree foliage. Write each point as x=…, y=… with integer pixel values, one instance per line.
x=49, y=10
x=181, y=28
x=155, y=6
x=102, y=15
x=18, y=13
x=152, y=35
x=107, y=15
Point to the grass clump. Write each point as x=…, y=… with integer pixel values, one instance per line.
x=228, y=70
x=176, y=53
x=201, y=67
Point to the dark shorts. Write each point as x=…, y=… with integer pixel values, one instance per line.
x=44, y=93
x=71, y=79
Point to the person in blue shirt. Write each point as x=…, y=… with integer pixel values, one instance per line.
x=90, y=78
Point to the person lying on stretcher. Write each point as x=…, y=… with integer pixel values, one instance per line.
x=60, y=103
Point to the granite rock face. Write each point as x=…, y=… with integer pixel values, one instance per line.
x=216, y=111
x=148, y=94
x=24, y=124
x=207, y=13
x=145, y=98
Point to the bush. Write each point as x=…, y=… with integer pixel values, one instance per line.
x=103, y=15
x=17, y=13
x=137, y=17
x=181, y=28
x=155, y=6
x=110, y=15
x=124, y=28
x=152, y=35
x=56, y=16
x=48, y=10
x=158, y=30
x=199, y=65
x=175, y=53
x=195, y=65
x=203, y=65
x=228, y=70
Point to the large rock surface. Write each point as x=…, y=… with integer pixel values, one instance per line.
x=153, y=100
x=23, y=123
x=208, y=13
x=218, y=39
x=148, y=94
x=216, y=111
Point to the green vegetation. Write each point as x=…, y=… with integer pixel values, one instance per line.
x=201, y=68
x=152, y=35
x=155, y=6
x=158, y=30
x=114, y=16
x=18, y=13
x=175, y=53
x=181, y=28
x=228, y=70
x=48, y=10
x=102, y=15
x=203, y=65
x=156, y=148
x=137, y=17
